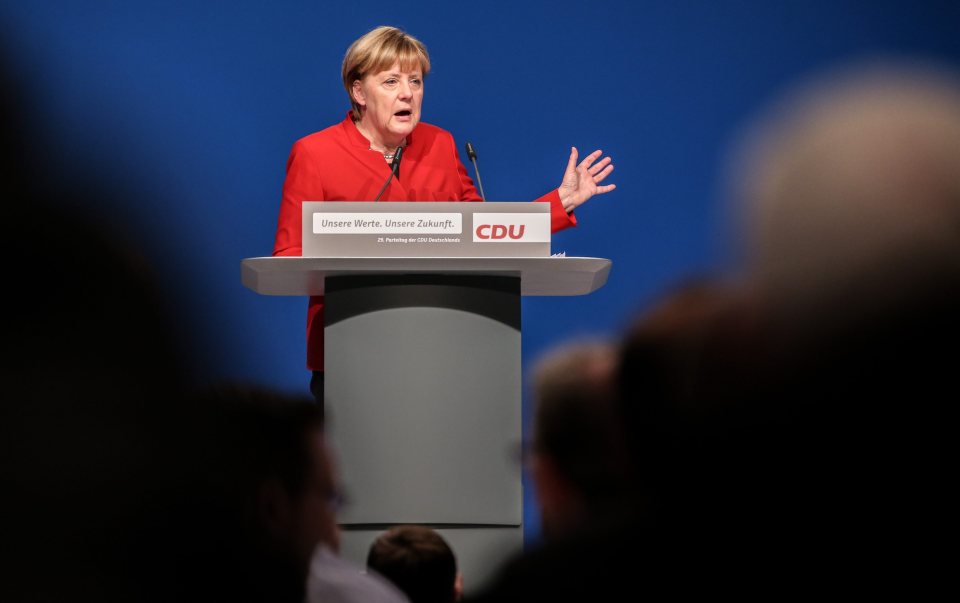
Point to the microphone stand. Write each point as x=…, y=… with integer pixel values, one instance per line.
x=472, y=154
x=394, y=168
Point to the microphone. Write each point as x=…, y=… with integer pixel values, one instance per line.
x=472, y=154
x=394, y=171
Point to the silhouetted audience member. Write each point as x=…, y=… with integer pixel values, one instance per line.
x=577, y=460
x=268, y=496
x=419, y=561
x=93, y=397
x=93, y=377
x=850, y=206
x=264, y=503
x=693, y=353
x=818, y=460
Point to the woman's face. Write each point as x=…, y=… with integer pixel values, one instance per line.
x=391, y=100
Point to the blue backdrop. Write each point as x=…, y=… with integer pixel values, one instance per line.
x=190, y=109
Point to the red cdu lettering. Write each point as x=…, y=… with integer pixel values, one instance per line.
x=500, y=231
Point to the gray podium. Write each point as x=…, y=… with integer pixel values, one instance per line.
x=423, y=388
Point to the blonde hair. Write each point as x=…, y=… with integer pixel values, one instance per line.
x=377, y=50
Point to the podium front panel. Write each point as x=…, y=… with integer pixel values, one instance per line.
x=423, y=384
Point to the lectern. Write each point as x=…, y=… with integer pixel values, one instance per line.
x=423, y=387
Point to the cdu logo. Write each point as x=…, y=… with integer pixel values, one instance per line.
x=511, y=228
x=500, y=231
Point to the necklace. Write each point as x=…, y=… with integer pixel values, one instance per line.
x=387, y=156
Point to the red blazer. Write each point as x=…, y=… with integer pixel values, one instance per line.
x=336, y=164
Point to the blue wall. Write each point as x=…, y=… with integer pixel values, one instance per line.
x=190, y=109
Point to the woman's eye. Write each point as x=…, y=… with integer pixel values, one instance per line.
x=416, y=83
x=391, y=82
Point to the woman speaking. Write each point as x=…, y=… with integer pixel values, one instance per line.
x=384, y=73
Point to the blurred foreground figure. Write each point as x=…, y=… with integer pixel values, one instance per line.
x=268, y=497
x=836, y=459
x=92, y=400
x=266, y=502
x=801, y=434
x=578, y=461
x=419, y=561
x=93, y=380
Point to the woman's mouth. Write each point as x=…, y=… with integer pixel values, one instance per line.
x=404, y=115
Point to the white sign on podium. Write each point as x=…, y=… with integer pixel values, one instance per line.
x=336, y=229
